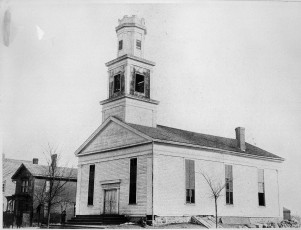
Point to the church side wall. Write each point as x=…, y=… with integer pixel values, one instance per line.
x=169, y=184
x=115, y=165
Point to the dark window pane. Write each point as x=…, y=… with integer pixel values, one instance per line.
x=139, y=85
x=227, y=197
x=261, y=199
x=192, y=196
x=187, y=196
x=120, y=45
x=117, y=83
x=133, y=181
x=138, y=44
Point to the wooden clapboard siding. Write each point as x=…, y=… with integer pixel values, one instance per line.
x=169, y=184
x=112, y=136
x=117, y=168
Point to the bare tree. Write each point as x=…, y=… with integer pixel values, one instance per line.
x=216, y=187
x=53, y=192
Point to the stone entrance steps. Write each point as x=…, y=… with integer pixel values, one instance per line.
x=206, y=221
x=97, y=220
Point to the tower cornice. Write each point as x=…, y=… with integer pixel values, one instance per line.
x=132, y=57
x=130, y=25
x=129, y=96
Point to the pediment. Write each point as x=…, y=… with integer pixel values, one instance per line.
x=110, y=136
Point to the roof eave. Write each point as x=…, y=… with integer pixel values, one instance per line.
x=241, y=154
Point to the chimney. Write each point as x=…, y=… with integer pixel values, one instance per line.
x=53, y=160
x=240, y=137
x=35, y=161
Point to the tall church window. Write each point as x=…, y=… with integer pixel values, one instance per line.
x=117, y=83
x=133, y=181
x=139, y=83
x=120, y=43
x=261, y=193
x=229, y=184
x=138, y=44
x=190, y=181
x=91, y=185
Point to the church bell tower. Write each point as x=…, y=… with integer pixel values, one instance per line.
x=129, y=77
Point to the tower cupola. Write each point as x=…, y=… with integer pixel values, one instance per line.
x=129, y=77
x=131, y=32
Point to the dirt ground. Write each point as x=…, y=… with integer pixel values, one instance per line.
x=169, y=226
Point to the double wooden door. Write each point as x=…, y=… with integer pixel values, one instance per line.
x=111, y=202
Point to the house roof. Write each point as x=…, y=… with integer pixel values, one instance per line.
x=10, y=166
x=164, y=133
x=42, y=171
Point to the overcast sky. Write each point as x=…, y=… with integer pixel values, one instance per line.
x=219, y=65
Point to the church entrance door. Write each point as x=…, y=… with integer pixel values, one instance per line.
x=111, y=202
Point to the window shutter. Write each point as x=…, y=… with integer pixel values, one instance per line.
x=190, y=174
x=228, y=172
x=122, y=82
x=132, y=87
x=187, y=173
x=111, y=84
x=147, y=84
x=260, y=175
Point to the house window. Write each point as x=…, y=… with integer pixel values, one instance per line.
x=3, y=186
x=139, y=83
x=24, y=186
x=190, y=181
x=47, y=186
x=229, y=184
x=91, y=185
x=133, y=181
x=117, y=85
x=138, y=44
x=261, y=193
x=120, y=45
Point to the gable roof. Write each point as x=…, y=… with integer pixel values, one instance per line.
x=42, y=171
x=103, y=125
x=9, y=166
x=183, y=137
x=164, y=133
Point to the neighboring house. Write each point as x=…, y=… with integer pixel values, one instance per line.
x=32, y=183
x=9, y=167
x=132, y=166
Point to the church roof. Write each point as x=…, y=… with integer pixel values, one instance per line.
x=168, y=134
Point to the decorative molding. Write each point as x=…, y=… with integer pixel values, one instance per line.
x=103, y=125
x=117, y=181
x=131, y=97
x=128, y=56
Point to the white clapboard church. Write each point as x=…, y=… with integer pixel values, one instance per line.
x=134, y=167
